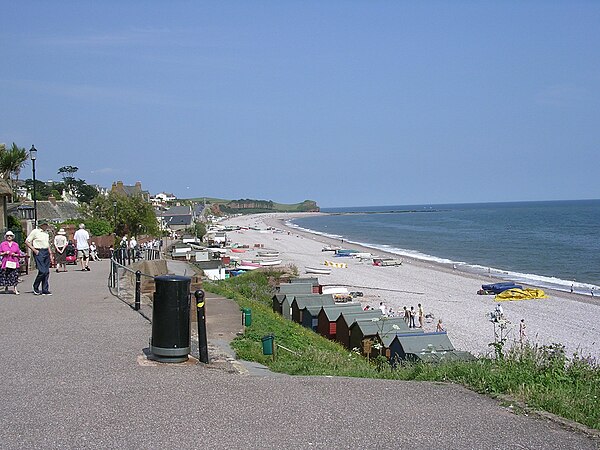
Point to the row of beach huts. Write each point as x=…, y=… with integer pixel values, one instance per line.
x=367, y=332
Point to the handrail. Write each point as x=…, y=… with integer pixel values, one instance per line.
x=119, y=260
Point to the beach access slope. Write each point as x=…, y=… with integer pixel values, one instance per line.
x=447, y=294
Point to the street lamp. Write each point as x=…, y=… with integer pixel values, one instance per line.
x=115, y=207
x=33, y=157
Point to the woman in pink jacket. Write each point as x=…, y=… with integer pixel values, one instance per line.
x=10, y=252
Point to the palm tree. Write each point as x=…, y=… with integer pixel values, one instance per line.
x=12, y=162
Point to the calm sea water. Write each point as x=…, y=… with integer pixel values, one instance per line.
x=548, y=244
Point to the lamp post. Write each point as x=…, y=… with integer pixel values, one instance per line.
x=115, y=208
x=33, y=157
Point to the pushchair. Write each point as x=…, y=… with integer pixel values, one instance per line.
x=70, y=254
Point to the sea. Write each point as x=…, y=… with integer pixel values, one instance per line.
x=550, y=244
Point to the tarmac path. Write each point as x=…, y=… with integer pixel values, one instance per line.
x=74, y=375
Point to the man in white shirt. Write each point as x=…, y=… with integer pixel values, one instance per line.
x=82, y=238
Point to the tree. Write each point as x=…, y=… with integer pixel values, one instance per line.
x=133, y=216
x=12, y=162
x=67, y=171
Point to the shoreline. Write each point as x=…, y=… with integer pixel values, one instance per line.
x=492, y=277
x=446, y=293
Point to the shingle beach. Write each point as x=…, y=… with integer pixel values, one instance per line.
x=447, y=294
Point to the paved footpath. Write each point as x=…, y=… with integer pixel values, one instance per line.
x=73, y=375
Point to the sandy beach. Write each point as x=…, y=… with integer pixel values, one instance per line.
x=445, y=293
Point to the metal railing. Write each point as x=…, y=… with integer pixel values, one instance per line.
x=118, y=282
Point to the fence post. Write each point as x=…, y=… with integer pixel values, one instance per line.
x=138, y=289
x=200, y=311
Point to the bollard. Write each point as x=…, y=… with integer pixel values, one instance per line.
x=200, y=311
x=138, y=289
x=171, y=319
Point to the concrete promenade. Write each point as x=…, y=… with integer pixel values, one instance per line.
x=73, y=375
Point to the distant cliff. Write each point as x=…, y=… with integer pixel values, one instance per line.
x=251, y=206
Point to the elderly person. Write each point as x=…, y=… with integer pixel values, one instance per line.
x=60, y=245
x=11, y=253
x=38, y=242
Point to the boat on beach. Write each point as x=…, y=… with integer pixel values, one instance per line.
x=318, y=270
x=386, y=262
x=268, y=263
x=268, y=254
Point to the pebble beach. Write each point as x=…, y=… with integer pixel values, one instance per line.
x=445, y=294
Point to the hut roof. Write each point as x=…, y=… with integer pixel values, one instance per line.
x=295, y=288
x=279, y=297
x=302, y=301
x=333, y=312
x=312, y=280
x=371, y=327
x=314, y=310
x=425, y=342
x=350, y=316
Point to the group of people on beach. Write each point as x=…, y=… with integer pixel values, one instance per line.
x=410, y=315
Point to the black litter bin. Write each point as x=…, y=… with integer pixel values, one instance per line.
x=171, y=319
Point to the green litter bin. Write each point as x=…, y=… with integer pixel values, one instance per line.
x=267, y=344
x=246, y=317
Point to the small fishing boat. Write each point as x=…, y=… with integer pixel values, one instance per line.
x=272, y=262
x=268, y=254
x=249, y=264
x=318, y=270
x=238, y=250
x=330, y=248
x=386, y=262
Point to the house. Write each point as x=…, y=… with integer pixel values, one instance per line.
x=176, y=218
x=345, y=321
x=300, y=302
x=52, y=210
x=329, y=315
x=130, y=191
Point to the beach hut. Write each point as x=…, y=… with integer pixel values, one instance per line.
x=302, y=301
x=327, y=318
x=295, y=288
x=313, y=281
x=415, y=347
x=346, y=319
x=287, y=288
x=310, y=317
x=372, y=330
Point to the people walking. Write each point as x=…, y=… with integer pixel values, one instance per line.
x=82, y=238
x=421, y=316
x=60, y=246
x=406, y=315
x=11, y=253
x=94, y=252
x=38, y=242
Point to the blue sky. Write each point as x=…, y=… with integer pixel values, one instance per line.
x=345, y=102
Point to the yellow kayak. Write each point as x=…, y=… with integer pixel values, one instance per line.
x=521, y=294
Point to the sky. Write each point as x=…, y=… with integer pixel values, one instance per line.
x=348, y=103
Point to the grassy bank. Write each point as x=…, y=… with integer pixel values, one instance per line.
x=544, y=378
